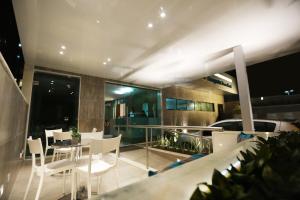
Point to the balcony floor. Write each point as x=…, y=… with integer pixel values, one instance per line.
x=131, y=169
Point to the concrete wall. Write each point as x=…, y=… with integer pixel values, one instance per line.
x=191, y=118
x=13, y=112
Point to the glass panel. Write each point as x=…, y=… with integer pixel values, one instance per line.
x=126, y=105
x=182, y=104
x=170, y=104
x=190, y=105
x=54, y=103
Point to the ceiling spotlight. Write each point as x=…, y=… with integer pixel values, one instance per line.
x=261, y=98
x=61, y=53
x=150, y=25
x=108, y=59
x=98, y=21
x=163, y=14
x=104, y=63
x=63, y=47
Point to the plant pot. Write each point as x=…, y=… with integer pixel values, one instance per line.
x=76, y=140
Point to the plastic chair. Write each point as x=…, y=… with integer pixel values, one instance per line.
x=86, y=139
x=61, y=136
x=49, y=134
x=35, y=147
x=93, y=166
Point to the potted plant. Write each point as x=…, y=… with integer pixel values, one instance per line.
x=76, y=137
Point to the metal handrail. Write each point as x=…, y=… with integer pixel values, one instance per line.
x=165, y=127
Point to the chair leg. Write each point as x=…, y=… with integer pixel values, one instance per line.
x=73, y=189
x=117, y=177
x=64, y=186
x=89, y=187
x=54, y=154
x=46, y=151
x=37, y=196
x=99, y=180
x=28, y=186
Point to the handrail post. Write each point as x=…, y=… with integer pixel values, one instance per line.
x=151, y=136
x=147, y=152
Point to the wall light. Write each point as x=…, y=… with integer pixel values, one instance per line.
x=223, y=77
x=123, y=90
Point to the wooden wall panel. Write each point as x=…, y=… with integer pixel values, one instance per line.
x=91, y=109
x=191, y=118
x=13, y=113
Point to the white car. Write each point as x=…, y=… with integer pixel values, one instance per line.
x=260, y=125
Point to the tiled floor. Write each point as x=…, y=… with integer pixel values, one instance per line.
x=131, y=169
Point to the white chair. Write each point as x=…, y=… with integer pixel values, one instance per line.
x=35, y=147
x=86, y=139
x=61, y=136
x=49, y=134
x=93, y=166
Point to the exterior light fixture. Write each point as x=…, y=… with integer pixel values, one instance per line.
x=262, y=98
x=20, y=45
x=223, y=77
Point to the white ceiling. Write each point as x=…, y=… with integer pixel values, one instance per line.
x=174, y=50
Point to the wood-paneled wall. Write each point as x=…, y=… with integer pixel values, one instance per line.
x=191, y=118
x=91, y=107
x=13, y=113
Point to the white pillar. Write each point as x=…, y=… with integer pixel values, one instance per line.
x=243, y=88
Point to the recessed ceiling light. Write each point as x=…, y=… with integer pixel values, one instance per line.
x=108, y=59
x=150, y=25
x=98, y=21
x=104, y=63
x=61, y=53
x=63, y=47
x=163, y=14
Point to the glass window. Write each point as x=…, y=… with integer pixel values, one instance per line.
x=229, y=126
x=182, y=104
x=264, y=126
x=170, y=104
x=204, y=106
x=190, y=105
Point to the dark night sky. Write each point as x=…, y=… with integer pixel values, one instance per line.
x=9, y=39
x=275, y=76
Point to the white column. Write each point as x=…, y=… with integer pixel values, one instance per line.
x=243, y=88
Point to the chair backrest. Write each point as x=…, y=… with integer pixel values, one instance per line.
x=94, y=130
x=35, y=147
x=105, y=145
x=60, y=136
x=49, y=133
x=86, y=138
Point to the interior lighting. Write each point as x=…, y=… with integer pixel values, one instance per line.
x=123, y=90
x=63, y=47
x=223, y=77
x=162, y=13
x=104, y=63
x=150, y=25
x=61, y=53
x=98, y=21
x=108, y=59
x=20, y=45
x=262, y=98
